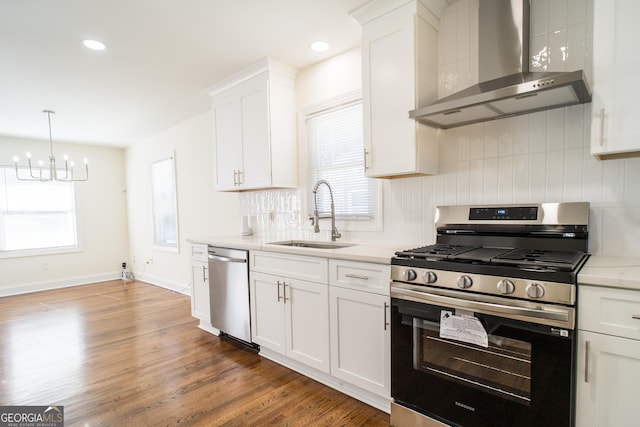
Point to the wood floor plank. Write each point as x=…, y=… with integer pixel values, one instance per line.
x=132, y=355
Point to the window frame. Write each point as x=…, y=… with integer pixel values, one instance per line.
x=375, y=224
x=171, y=158
x=78, y=247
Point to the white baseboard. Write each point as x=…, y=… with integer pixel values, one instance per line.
x=167, y=284
x=25, y=288
x=365, y=396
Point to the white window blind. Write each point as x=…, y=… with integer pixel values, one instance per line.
x=335, y=154
x=35, y=215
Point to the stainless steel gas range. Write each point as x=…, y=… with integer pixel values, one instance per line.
x=483, y=321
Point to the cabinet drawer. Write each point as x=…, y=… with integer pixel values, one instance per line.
x=198, y=252
x=609, y=311
x=301, y=267
x=360, y=275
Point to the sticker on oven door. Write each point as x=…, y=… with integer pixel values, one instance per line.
x=462, y=328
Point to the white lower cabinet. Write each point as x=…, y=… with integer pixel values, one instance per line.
x=288, y=315
x=608, y=368
x=360, y=339
x=200, y=283
x=608, y=379
x=325, y=318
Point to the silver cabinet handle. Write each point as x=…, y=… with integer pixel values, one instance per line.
x=279, y=297
x=365, y=159
x=198, y=252
x=284, y=292
x=357, y=276
x=204, y=273
x=235, y=177
x=240, y=180
x=586, y=361
x=226, y=258
x=601, y=127
x=386, y=321
x=636, y=316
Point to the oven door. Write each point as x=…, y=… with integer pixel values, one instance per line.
x=473, y=363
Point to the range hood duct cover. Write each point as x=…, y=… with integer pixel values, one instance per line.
x=506, y=87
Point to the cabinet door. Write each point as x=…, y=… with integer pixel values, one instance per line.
x=256, y=152
x=307, y=323
x=607, y=381
x=228, y=141
x=615, y=128
x=267, y=311
x=200, y=291
x=390, y=90
x=360, y=339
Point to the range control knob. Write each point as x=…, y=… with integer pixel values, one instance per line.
x=409, y=275
x=429, y=277
x=506, y=286
x=464, y=282
x=535, y=290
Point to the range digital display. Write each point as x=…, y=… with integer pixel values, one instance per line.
x=513, y=213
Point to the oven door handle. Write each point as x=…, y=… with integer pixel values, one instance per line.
x=556, y=316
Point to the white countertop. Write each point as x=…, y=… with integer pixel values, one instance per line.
x=617, y=272
x=364, y=252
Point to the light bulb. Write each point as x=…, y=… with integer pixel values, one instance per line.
x=15, y=159
x=28, y=155
x=86, y=161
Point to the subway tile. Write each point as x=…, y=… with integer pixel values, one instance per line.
x=555, y=129
x=505, y=138
x=554, y=176
x=613, y=182
x=505, y=180
x=537, y=176
x=576, y=47
x=539, y=53
x=558, y=53
x=574, y=126
x=557, y=15
x=631, y=247
x=595, y=230
x=464, y=143
x=539, y=17
x=538, y=132
x=462, y=182
x=520, y=130
x=450, y=190
x=520, y=178
x=572, y=179
x=490, y=139
x=576, y=12
x=490, y=180
x=632, y=182
x=476, y=180
x=462, y=30
x=476, y=142
x=592, y=181
x=614, y=228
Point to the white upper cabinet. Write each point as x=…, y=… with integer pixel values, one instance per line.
x=399, y=65
x=615, y=128
x=255, y=128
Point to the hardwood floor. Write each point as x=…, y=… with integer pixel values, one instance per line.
x=132, y=355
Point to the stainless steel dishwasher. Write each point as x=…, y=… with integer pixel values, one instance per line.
x=229, y=292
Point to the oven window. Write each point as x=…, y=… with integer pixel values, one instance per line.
x=502, y=369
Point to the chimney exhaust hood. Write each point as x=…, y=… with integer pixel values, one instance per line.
x=507, y=87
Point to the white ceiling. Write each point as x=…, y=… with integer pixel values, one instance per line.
x=161, y=57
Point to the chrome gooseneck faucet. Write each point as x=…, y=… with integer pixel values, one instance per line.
x=315, y=219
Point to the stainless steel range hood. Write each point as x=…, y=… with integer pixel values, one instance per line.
x=507, y=87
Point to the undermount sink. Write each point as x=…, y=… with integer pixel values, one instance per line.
x=312, y=244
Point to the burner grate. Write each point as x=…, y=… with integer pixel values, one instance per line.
x=437, y=251
x=538, y=258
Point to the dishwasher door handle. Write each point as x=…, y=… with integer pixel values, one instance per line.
x=226, y=258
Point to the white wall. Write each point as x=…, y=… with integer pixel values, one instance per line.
x=102, y=222
x=202, y=212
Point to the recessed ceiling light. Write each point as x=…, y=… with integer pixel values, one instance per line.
x=94, y=44
x=320, y=46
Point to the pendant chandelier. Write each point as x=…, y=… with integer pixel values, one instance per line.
x=40, y=172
